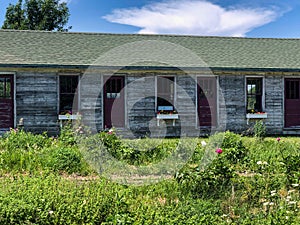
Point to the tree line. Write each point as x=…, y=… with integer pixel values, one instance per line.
x=49, y=15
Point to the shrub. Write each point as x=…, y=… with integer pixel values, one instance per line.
x=65, y=159
x=216, y=177
x=259, y=129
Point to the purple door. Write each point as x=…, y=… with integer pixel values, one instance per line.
x=207, y=98
x=292, y=103
x=6, y=101
x=114, y=111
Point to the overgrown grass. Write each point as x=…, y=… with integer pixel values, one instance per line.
x=246, y=181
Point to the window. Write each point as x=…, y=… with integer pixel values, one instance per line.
x=292, y=89
x=5, y=91
x=67, y=89
x=165, y=93
x=254, y=95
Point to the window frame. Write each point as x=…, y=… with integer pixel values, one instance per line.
x=156, y=91
x=262, y=78
x=76, y=94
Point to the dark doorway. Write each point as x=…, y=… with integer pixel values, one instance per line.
x=6, y=101
x=207, y=99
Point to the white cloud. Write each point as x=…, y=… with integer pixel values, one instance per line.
x=66, y=1
x=193, y=17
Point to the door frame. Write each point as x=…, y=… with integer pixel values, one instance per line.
x=13, y=74
x=284, y=98
x=103, y=79
x=197, y=122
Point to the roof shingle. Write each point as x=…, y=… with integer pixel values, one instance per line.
x=84, y=49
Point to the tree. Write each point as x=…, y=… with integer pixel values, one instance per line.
x=37, y=15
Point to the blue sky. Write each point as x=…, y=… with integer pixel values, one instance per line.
x=254, y=18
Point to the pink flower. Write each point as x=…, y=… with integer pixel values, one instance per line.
x=219, y=150
x=278, y=139
x=110, y=131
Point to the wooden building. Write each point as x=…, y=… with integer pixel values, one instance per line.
x=139, y=83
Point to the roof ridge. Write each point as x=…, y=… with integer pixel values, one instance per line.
x=149, y=35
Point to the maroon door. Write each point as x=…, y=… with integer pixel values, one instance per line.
x=6, y=101
x=114, y=111
x=292, y=103
x=207, y=98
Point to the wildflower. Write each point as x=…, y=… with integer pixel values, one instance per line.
x=295, y=185
x=265, y=163
x=219, y=150
x=203, y=143
x=273, y=193
x=259, y=163
x=110, y=131
x=278, y=139
x=51, y=212
x=266, y=203
x=292, y=202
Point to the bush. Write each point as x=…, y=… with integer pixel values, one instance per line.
x=216, y=177
x=65, y=159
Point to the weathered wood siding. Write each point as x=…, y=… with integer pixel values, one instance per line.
x=91, y=91
x=274, y=94
x=233, y=90
x=36, y=101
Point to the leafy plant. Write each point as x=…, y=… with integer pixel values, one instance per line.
x=259, y=129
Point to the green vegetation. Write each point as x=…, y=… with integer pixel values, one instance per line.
x=47, y=15
x=229, y=180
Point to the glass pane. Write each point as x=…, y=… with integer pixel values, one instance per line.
x=2, y=87
x=254, y=94
x=7, y=88
x=68, y=87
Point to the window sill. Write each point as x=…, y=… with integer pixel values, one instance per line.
x=166, y=117
x=68, y=117
x=256, y=116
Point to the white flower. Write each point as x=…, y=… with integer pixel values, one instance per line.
x=295, y=185
x=291, y=191
x=292, y=203
x=271, y=203
x=203, y=143
x=259, y=163
x=265, y=163
x=266, y=203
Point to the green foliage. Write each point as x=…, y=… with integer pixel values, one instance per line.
x=216, y=177
x=292, y=164
x=37, y=15
x=259, y=129
x=66, y=159
x=246, y=182
x=22, y=151
x=139, y=151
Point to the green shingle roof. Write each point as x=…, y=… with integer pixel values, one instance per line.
x=84, y=49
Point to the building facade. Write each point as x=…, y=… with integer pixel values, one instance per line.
x=148, y=85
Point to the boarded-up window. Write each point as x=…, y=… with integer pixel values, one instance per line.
x=67, y=87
